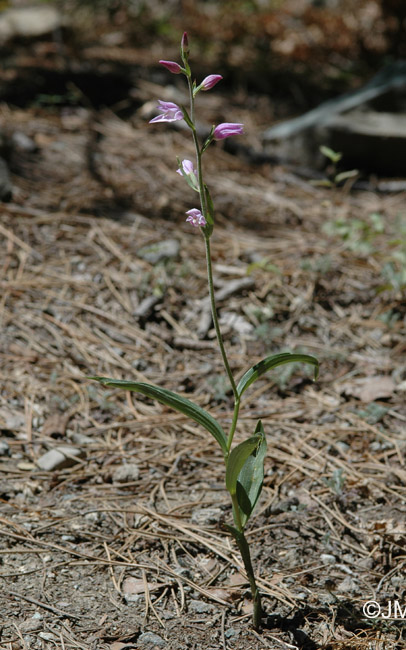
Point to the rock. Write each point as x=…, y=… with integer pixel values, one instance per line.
x=166, y=249
x=205, y=516
x=326, y=558
x=348, y=586
x=28, y=22
x=200, y=607
x=231, y=632
x=146, y=306
x=126, y=473
x=80, y=438
x=31, y=625
x=149, y=639
x=59, y=458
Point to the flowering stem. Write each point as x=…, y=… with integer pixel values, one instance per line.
x=202, y=193
x=218, y=332
x=203, y=204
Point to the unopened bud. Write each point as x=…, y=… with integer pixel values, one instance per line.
x=172, y=66
x=184, y=46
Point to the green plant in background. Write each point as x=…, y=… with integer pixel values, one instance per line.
x=394, y=269
x=336, y=177
x=336, y=482
x=358, y=235
x=244, y=462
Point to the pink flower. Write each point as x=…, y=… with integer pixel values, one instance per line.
x=169, y=112
x=210, y=81
x=172, y=66
x=225, y=129
x=187, y=167
x=196, y=218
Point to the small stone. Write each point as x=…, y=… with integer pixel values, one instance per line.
x=326, y=558
x=126, y=473
x=151, y=639
x=80, y=439
x=32, y=625
x=59, y=458
x=92, y=517
x=166, y=249
x=200, y=607
x=348, y=586
x=48, y=636
x=205, y=516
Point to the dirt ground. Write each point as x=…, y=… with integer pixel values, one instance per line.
x=124, y=546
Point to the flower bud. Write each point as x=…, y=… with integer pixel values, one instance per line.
x=210, y=81
x=226, y=129
x=184, y=46
x=172, y=66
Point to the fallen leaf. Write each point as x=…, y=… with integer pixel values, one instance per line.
x=134, y=586
x=55, y=425
x=237, y=580
x=368, y=389
x=221, y=594
x=26, y=466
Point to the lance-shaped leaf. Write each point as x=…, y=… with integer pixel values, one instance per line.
x=236, y=461
x=186, y=117
x=272, y=362
x=173, y=400
x=251, y=477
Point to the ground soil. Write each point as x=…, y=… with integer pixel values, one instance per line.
x=125, y=547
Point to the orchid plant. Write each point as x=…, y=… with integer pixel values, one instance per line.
x=244, y=462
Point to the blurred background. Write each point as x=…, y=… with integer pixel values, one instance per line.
x=297, y=51
x=70, y=60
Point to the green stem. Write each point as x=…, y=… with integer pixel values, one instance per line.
x=217, y=327
x=256, y=596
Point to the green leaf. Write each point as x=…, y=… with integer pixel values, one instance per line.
x=272, y=362
x=186, y=117
x=343, y=176
x=173, y=400
x=334, y=156
x=237, y=534
x=251, y=477
x=236, y=461
x=209, y=140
